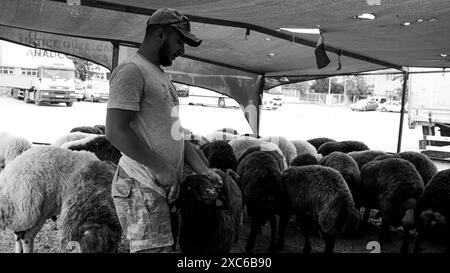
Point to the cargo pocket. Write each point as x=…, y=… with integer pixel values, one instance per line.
x=129, y=207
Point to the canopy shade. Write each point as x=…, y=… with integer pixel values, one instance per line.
x=242, y=39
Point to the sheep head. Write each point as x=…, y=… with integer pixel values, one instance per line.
x=95, y=238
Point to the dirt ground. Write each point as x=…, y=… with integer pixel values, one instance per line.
x=47, y=241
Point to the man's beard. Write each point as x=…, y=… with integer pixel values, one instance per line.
x=164, y=55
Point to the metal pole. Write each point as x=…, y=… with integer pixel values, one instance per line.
x=115, y=56
x=402, y=110
x=259, y=107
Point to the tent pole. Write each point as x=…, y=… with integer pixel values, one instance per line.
x=259, y=103
x=402, y=110
x=115, y=56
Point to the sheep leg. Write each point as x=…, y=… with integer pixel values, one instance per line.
x=404, y=247
x=419, y=241
x=28, y=244
x=363, y=225
x=255, y=229
x=385, y=234
x=18, y=246
x=329, y=243
x=273, y=233
x=284, y=219
x=306, y=227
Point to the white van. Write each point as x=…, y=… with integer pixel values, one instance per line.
x=96, y=91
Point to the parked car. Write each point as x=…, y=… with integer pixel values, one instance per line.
x=96, y=91
x=364, y=105
x=391, y=106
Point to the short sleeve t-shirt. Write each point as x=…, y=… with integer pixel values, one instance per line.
x=138, y=85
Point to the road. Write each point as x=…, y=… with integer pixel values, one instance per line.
x=379, y=130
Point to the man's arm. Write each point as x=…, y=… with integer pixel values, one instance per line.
x=193, y=159
x=120, y=134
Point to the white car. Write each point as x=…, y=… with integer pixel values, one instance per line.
x=391, y=106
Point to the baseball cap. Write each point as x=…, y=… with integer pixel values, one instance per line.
x=176, y=19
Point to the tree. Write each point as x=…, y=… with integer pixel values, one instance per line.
x=357, y=87
x=82, y=70
x=322, y=85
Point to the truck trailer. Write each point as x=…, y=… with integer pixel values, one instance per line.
x=37, y=75
x=429, y=107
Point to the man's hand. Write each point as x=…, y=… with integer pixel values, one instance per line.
x=173, y=193
x=215, y=178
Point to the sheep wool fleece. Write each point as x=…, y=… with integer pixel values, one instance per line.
x=138, y=85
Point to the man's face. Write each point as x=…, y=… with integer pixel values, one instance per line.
x=172, y=47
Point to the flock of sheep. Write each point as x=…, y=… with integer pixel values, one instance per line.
x=330, y=186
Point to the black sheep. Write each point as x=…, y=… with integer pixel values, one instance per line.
x=304, y=159
x=393, y=186
x=342, y=146
x=88, y=129
x=210, y=214
x=100, y=146
x=259, y=175
x=220, y=155
x=317, y=142
x=317, y=195
x=348, y=168
x=88, y=215
x=433, y=209
x=363, y=157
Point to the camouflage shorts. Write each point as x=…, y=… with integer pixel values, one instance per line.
x=143, y=213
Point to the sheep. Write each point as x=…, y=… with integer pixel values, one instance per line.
x=259, y=176
x=317, y=194
x=214, y=136
x=302, y=147
x=101, y=127
x=228, y=131
x=10, y=147
x=97, y=144
x=31, y=189
x=363, y=157
x=281, y=162
x=210, y=214
x=287, y=148
x=220, y=155
x=393, y=186
x=317, y=142
x=241, y=144
x=304, y=160
x=348, y=168
x=88, y=130
x=423, y=164
x=71, y=137
x=342, y=146
x=88, y=214
x=433, y=209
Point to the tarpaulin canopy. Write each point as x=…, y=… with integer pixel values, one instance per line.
x=243, y=50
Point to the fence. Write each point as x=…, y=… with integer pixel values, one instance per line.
x=295, y=96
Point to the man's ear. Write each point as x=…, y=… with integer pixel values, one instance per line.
x=160, y=35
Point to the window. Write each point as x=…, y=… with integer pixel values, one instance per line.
x=29, y=71
x=6, y=70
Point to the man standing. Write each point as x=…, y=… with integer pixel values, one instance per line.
x=142, y=122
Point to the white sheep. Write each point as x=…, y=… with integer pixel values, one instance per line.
x=304, y=147
x=215, y=136
x=287, y=148
x=31, y=189
x=10, y=147
x=241, y=144
x=71, y=137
